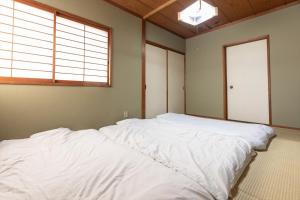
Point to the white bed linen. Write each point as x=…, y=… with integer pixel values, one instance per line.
x=257, y=135
x=64, y=165
x=211, y=160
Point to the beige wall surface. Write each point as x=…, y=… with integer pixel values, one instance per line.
x=205, y=65
x=163, y=37
x=28, y=109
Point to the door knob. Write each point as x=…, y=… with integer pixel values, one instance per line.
x=231, y=87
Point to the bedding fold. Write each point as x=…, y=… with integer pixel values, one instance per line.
x=258, y=135
x=212, y=161
x=62, y=164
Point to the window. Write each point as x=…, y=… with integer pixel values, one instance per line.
x=41, y=45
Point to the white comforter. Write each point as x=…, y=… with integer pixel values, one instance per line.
x=257, y=135
x=210, y=160
x=86, y=165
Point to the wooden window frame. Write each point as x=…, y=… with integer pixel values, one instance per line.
x=53, y=81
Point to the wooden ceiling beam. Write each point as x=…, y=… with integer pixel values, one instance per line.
x=165, y=20
x=159, y=8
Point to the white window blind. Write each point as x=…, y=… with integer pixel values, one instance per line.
x=28, y=35
x=81, y=52
x=26, y=38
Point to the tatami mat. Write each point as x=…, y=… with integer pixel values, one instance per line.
x=274, y=174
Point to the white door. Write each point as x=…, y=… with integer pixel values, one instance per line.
x=247, y=82
x=175, y=82
x=156, y=81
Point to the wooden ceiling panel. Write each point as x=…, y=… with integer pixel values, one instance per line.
x=229, y=11
x=262, y=5
x=133, y=6
x=234, y=9
x=216, y=21
x=153, y=3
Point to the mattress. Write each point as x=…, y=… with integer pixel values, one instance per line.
x=212, y=161
x=135, y=159
x=257, y=135
x=242, y=169
x=62, y=164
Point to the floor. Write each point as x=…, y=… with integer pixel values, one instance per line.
x=273, y=174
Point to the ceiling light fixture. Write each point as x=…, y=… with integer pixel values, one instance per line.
x=197, y=13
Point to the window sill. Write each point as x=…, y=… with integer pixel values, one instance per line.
x=49, y=82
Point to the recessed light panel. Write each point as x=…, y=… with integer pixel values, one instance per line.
x=197, y=13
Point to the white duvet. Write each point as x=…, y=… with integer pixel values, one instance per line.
x=144, y=160
x=85, y=165
x=257, y=135
x=210, y=160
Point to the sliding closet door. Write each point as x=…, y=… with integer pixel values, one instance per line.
x=247, y=82
x=175, y=82
x=156, y=81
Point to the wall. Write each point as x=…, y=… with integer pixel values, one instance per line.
x=28, y=109
x=204, y=65
x=163, y=37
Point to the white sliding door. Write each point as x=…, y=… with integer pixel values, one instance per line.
x=247, y=82
x=175, y=82
x=156, y=81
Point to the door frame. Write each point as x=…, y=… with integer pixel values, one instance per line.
x=225, y=93
x=144, y=87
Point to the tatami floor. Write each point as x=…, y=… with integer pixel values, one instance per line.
x=273, y=174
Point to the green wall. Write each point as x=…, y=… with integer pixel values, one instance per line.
x=166, y=38
x=204, y=65
x=28, y=109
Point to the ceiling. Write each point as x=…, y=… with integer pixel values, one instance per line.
x=229, y=11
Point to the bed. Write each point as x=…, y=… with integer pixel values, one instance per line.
x=134, y=159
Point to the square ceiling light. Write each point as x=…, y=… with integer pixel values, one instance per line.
x=197, y=13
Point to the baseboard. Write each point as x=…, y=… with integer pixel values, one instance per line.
x=220, y=118
x=287, y=127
